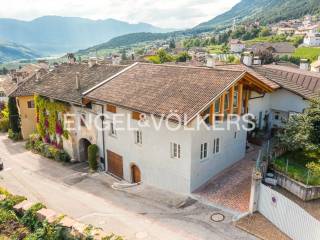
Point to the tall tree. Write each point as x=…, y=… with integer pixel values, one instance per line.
x=14, y=118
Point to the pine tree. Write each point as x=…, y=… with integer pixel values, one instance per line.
x=14, y=119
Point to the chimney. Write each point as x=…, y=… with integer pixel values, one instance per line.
x=211, y=61
x=247, y=60
x=92, y=61
x=78, y=81
x=257, y=60
x=304, y=64
x=37, y=75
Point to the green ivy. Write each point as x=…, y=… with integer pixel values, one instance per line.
x=47, y=111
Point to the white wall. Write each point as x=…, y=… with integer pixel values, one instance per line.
x=287, y=216
x=153, y=156
x=231, y=150
x=281, y=100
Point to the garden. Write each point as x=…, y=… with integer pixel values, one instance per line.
x=301, y=138
x=27, y=225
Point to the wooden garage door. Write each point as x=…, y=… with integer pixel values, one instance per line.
x=115, y=164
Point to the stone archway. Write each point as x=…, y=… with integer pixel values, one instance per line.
x=135, y=174
x=83, y=149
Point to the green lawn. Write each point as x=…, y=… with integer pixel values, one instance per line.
x=310, y=53
x=297, y=169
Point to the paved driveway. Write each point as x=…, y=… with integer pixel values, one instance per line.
x=138, y=213
x=230, y=189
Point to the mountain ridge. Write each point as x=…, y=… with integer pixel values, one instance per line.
x=56, y=34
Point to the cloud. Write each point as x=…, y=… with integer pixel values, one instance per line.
x=164, y=13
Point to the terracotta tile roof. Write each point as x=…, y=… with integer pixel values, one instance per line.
x=241, y=67
x=7, y=85
x=60, y=84
x=303, y=83
x=281, y=47
x=161, y=89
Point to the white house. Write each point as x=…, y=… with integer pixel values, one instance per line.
x=236, y=46
x=167, y=97
x=312, y=39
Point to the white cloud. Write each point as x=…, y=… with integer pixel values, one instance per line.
x=164, y=13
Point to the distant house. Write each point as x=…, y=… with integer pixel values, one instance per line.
x=315, y=66
x=236, y=46
x=312, y=39
x=6, y=86
x=286, y=31
x=28, y=70
x=276, y=49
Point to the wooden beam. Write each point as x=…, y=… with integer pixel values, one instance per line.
x=246, y=101
x=231, y=99
x=211, y=116
x=223, y=96
x=240, y=98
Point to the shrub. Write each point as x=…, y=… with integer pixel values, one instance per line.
x=7, y=215
x=30, y=219
x=92, y=157
x=14, y=118
x=11, y=201
x=15, y=136
x=64, y=156
x=4, y=125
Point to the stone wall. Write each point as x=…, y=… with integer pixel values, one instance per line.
x=304, y=192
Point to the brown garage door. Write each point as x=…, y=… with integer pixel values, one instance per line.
x=115, y=164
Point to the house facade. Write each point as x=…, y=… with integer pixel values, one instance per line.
x=179, y=160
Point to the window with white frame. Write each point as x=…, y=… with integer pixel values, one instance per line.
x=175, y=150
x=138, y=137
x=216, y=145
x=204, y=151
x=112, y=129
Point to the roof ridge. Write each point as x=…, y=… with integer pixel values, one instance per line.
x=190, y=67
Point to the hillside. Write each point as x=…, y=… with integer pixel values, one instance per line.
x=266, y=11
x=125, y=40
x=55, y=35
x=13, y=51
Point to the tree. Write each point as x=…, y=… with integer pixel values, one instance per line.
x=183, y=57
x=14, y=118
x=172, y=44
x=264, y=32
x=92, y=157
x=164, y=56
x=303, y=130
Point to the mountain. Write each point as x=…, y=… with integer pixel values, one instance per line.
x=266, y=11
x=55, y=35
x=11, y=51
x=126, y=40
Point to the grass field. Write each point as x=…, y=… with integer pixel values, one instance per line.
x=310, y=53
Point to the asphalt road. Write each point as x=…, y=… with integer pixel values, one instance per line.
x=137, y=213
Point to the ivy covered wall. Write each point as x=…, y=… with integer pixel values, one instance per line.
x=49, y=119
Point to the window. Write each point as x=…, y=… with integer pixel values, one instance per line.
x=138, y=137
x=112, y=129
x=83, y=120
x=175, y=150
x=217, y=106
x=276, y=116
x=30, y=104
x=204, y=151
x=216, y=145
x=2, y=94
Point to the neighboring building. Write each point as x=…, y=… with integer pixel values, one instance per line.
x=236, y=46
x=180, y=160
x=66, y=83
x=6, y=86
x=312, y=39
x=286, y=31
x=277, y=49
x=315, y=66
x=296, y=88
x=28, y=70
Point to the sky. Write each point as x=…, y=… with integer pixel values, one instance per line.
x=163, y=13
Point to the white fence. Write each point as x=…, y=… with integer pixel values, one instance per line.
x=287, y=216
